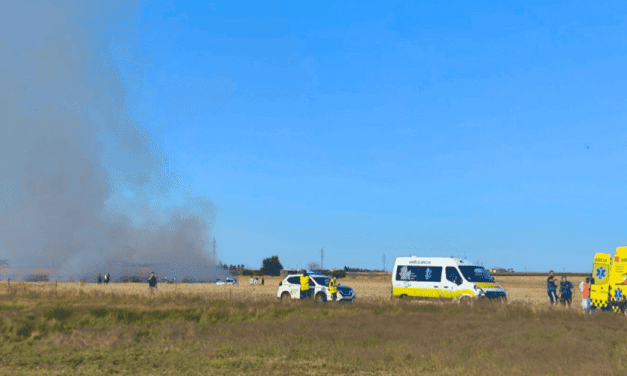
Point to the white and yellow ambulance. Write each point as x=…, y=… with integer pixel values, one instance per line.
x=609, y=275
x=442, y=277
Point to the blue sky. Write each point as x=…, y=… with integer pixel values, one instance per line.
x=490, y=131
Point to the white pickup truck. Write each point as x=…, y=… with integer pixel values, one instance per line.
x=289, y=288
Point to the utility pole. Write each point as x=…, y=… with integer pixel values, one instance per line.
x=322, y=258
x=383, y=260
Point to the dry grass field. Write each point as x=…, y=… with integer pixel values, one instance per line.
x=76, y=328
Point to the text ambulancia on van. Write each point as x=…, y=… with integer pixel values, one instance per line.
x=442, y=277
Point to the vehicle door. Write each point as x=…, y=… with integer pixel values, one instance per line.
x=313, y=287
x=451, y=285
x=600, y=276
x=432, y=276
x=294, y=286
x=322, y=284
x=618, y=275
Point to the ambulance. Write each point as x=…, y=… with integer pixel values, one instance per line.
x=609, y=281
x=443, y=277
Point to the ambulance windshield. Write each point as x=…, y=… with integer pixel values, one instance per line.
x=476, y=274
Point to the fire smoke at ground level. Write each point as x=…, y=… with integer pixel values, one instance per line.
x=69, y=149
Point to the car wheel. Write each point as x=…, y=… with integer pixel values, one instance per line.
x=465, y=300
x=285, y=295
x=321, y=298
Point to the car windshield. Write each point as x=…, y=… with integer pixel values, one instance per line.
x=476, y=274
x=324, y=281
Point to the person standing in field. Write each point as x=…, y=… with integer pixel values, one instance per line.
x=304, y=285
x=566, y=291
x=333, y=288
x=107, y=277
x=551, y=288
x=584, y=287
x=99, y=278
x=152, y=281
x=609, y=305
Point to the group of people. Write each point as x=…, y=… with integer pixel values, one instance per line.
x=152, y=281
x=566, y=291
x=105, y=279
x=255, y=281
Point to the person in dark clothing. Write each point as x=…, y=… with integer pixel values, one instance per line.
x=262, y=281
x=107, y=278
x=610, y=304
x=152, y=281
x=566, y=291
x=551, y=287
x=99, y=278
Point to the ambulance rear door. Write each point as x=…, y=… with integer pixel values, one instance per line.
x=618, y=274
x=600, y=275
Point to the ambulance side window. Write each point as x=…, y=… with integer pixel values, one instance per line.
x=419, y=273
x=294, y=280
x=453, y=275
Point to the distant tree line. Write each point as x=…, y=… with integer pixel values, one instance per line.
x=335, y=273
x=269, y=266
x=360, y=270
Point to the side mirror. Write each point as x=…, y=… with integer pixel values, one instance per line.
x=281, y=283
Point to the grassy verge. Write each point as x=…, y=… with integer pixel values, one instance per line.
x=73, y=332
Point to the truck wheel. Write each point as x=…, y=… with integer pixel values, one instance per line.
x=285, y=295
x=403, y=296
x=321, y=298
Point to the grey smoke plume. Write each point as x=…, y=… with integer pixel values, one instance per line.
x=68, y=148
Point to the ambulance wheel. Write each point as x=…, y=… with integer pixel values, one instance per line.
x=321, y=298
x=465, y=300
x=403, y=296
x=285, y=295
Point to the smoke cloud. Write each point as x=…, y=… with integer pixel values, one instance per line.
x=83, y=189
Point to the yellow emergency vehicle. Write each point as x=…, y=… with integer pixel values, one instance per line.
x=609, y=287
